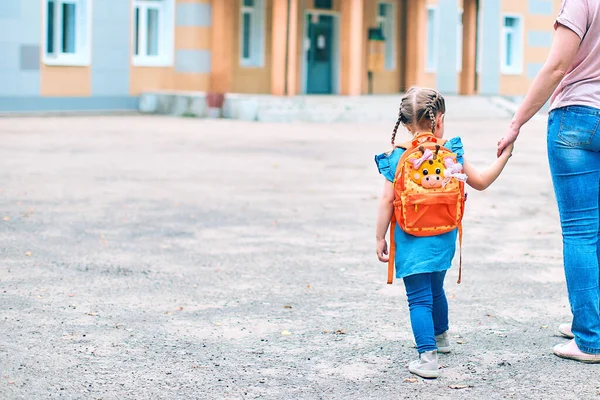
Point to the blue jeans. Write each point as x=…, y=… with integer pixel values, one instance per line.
x=428, y=308
x=573, y=146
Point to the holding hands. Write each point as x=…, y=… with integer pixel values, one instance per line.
x=507, y=142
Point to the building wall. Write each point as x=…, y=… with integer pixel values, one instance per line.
x=253, y=79
x=538, y=20
x=388, y=80
x=191, y=67
x=20, y=48
x=113, y=82
x=538, y=17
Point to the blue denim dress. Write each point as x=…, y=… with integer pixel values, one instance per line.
x=418, y=255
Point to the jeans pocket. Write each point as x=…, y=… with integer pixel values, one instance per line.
x=578, y=126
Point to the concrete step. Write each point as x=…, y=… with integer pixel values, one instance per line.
x=348, y=109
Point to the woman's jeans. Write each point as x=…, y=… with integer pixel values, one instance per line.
x=573, y=152
x=428, y=308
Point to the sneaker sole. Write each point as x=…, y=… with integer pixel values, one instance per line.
x=591, y=359
x=566, y=334
x=426, y=374
x=444, y=350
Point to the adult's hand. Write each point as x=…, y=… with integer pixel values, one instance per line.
x=509, y=138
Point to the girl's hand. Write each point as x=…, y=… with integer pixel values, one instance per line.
x=508, y=139
x=508, y=150
x=382, y=251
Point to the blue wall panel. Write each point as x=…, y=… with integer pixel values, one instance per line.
x=111, y=53
x=447, y=81
x=533, y=69
x=192, y=61
x=490, y=57
x=539, y=38
x=20, y=31
x=193, y=14
x=540, y=7
x=36, y=104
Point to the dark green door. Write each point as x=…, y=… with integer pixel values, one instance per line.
x=319, y=55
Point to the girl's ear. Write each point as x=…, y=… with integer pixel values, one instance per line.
x=439, y=123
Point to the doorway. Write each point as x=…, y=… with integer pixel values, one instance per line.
x=320, y=53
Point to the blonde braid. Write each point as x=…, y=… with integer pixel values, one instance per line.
x=401, y=119
x=430, y=109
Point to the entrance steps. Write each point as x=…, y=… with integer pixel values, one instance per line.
x=321, y=109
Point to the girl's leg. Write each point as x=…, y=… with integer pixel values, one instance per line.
x=420, y=304
x=440, y=303
x=575, y=165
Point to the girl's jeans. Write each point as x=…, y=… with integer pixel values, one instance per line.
x=573, y=146
x=428, y=308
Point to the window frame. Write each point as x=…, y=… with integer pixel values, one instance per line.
x=518, y=56
x=389, y=22
x=459, y=40
x=83, y=32
x=166, y=33
x=479, y=54
x=434, y=49
x=257, y=35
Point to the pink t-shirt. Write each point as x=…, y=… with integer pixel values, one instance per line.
x=581, y=84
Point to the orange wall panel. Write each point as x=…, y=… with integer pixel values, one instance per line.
x=192, y=38
x=65, y=81
x=195, y=82
x=150, y=78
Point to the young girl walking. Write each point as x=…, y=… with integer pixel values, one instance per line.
x=422, y=261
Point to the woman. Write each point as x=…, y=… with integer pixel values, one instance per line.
x=572, y=76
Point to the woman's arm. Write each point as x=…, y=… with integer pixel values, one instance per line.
x=562, y=53
x=482, y=180
x=384, y=216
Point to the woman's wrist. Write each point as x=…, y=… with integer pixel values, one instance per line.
x=515, y=124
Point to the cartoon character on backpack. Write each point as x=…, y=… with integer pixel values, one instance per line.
x=430, y=171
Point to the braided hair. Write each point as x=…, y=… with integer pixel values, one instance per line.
x=419, y=109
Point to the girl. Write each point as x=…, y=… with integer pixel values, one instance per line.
x=422, y=113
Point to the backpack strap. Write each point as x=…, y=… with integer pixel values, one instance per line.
x=392, y=255
x=460, y=237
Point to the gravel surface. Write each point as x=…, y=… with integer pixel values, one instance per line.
x=162, y=258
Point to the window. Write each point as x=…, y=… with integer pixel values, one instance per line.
x=153, y=33
x=459, y=41
x=385, y=20
x=432, y=42
x=252, y=38
x=68, y=27
x=479, y=41
x=512, y=46
x=325, y=4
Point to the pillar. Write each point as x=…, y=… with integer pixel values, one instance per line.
x=416, y=34
x=292, y=53
x=279, y=32
x=222, y=45
x=352, y=46
x=468, y=74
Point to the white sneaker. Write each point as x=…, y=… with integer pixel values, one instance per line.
x=565, y=330
x=426, y=366
x=442, y=341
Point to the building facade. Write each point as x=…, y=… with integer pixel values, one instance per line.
x=101, y=54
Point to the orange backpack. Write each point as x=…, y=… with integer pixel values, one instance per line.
x=429, y=193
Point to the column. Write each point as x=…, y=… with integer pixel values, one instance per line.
x=279, y=32
x=416, y=39
x=352, y=46
x=468, y=75
x=223, y=17
x=292, y=52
